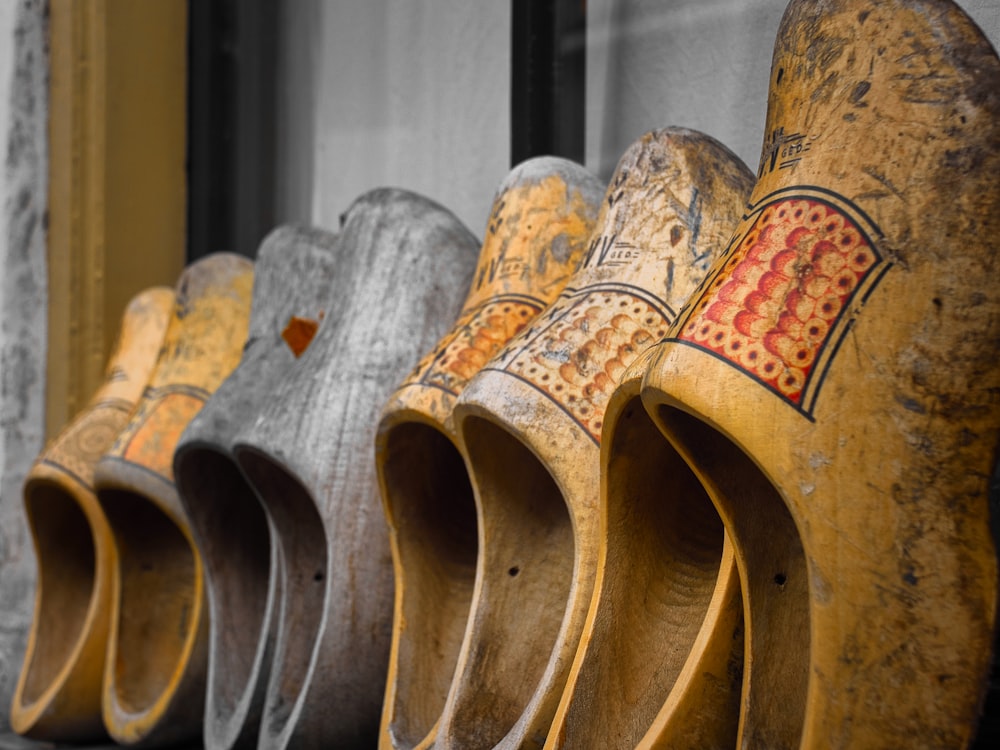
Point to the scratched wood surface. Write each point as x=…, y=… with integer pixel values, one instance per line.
x=58, y=694
x=404, y=266
x=531, y=420
x=833, y=384
x=541, y=220
x=294, y=276
x=154, y=682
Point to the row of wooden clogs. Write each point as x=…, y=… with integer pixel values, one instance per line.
x=701, y=461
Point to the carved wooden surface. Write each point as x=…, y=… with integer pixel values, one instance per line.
x=541, y=220
x=403, y=267
x=154, y=680
x=833, y=384
x=58, y=695
x=294, y=276
x=531, y=423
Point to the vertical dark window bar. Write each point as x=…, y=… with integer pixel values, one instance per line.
x=548, y=78
x=231, y=124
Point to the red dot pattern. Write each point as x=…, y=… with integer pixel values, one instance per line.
x=771, y=308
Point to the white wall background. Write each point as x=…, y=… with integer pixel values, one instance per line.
x=393, y=92
x=416, y=95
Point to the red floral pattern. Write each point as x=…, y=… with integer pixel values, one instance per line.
x=772, y=307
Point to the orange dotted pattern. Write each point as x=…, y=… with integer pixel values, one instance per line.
x=577, y=352
x=771, y=309
x=160, y=427
x=477, y=336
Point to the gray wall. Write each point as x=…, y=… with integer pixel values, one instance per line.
x=416, y=95
x=393, y=92
x=23, y=300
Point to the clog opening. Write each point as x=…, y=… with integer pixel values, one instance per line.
x=773, y=573
x=235, y=544
x=64, y=544
x=303, y=547
x=158, y=607
x=527, y=572
x=434, y=514
x=663, y=555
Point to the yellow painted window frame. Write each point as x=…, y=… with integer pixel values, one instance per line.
x=117, y=178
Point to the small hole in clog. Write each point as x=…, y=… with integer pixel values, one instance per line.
x=513, y=571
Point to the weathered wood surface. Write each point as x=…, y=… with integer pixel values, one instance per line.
x=154, y=683
x=404, y=265
x=531, y=420
x=834, y=383
x=58, y=694
x=294, y=276
x=541, y=220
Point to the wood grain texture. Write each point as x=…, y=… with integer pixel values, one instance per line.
x=404, y=264
x=294, y=278
x=845, y=422
x=531, y=423
x=58, y=695
x=539, y=226
x=154, y=683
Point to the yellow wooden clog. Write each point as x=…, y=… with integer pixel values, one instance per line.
x=58, y=694
x=530, y=423
x=834, y=383
x=154, y=683
x=542, y=218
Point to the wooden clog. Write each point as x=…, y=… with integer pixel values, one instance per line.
x=531, y=420
x=293, y=276
x=660, y=661
x=58, y=694
x=154, y=683
x=542, y=218
x=404, y=264
x=834, y=383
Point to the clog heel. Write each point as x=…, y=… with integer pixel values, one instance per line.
x=833, y=384
x=530, y=424
x=403, y=265
x=58, y=694
x=542, y=218
x=154, y=684
x=293, y=278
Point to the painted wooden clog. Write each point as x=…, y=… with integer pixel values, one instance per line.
x=404, y=264
x=293, y=278
x=58, y=694
x=833, y=384
x=542, y=218
x=530, y=424
x=154, y=684
x=660, y=661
